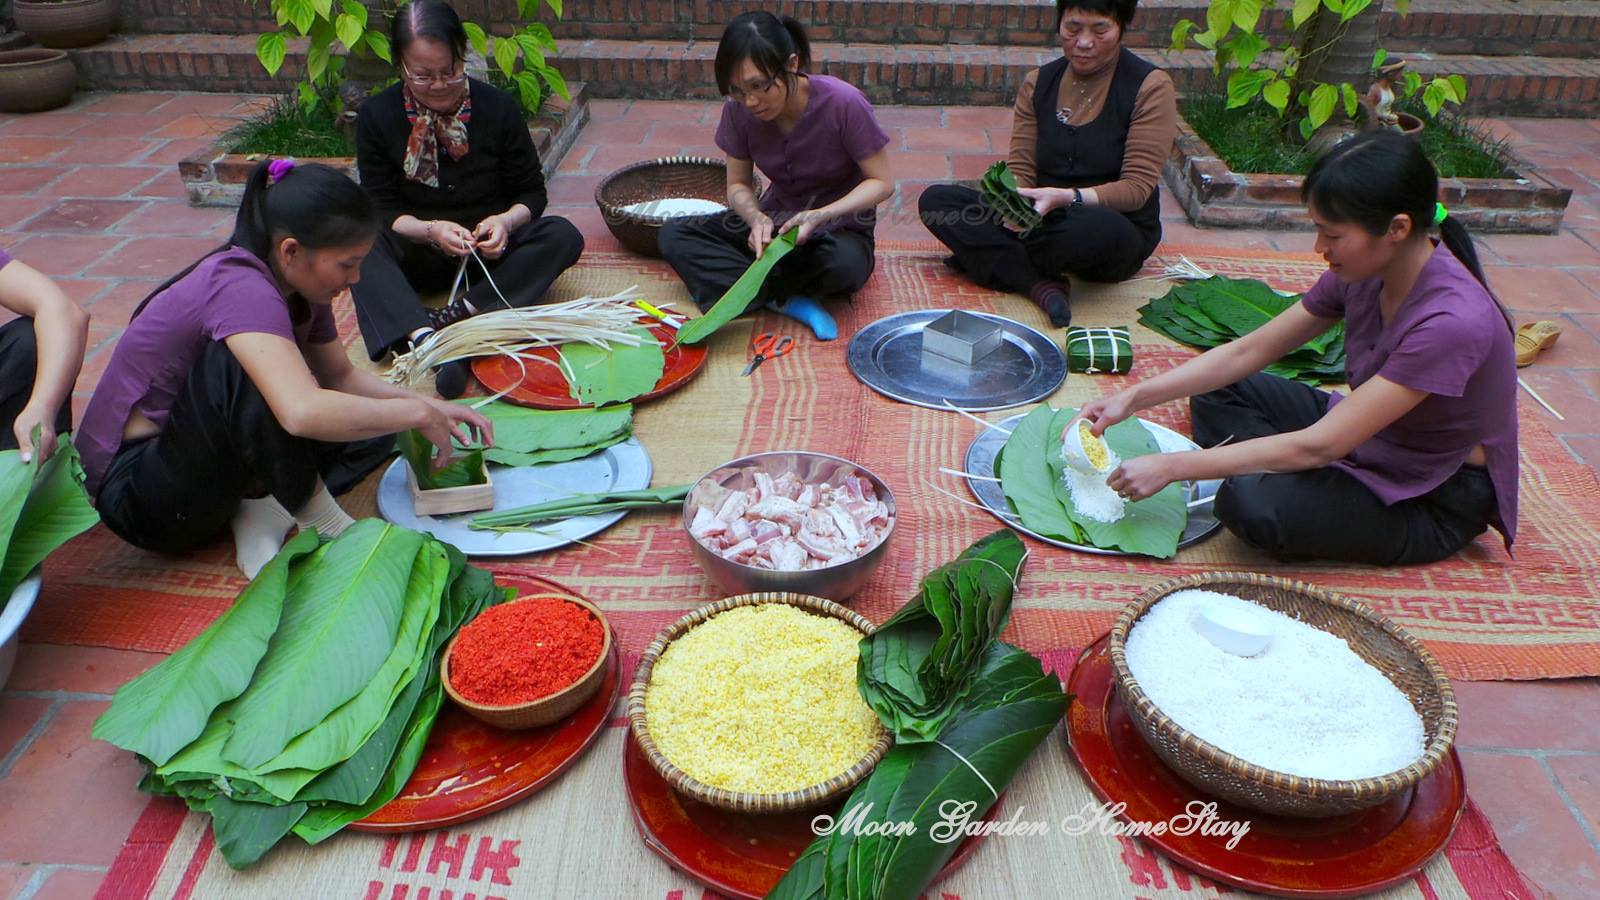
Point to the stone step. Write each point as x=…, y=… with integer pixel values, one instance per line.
x=1550, y=28
x=913, y=74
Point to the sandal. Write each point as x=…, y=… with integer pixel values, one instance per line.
x=1534, y=338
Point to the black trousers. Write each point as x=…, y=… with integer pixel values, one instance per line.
x=1090, y=242
x=221, y=443
x=19, y=362
x=388, y=309
x=1326, y=513
x=710, y=253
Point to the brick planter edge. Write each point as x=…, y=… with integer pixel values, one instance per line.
x=1213, y=195
x=215, y=177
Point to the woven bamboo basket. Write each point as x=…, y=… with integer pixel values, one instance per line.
x=1373, y=637
x=696, y=177
x=545, y=710
x=806, y=798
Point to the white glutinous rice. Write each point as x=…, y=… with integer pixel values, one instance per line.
x=1092, y=498
x=675, y=206
x=1307, y=705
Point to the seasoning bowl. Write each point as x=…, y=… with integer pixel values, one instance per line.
x=735, y=801
x=837, y=582
x=1375, y=638
x=546, y=710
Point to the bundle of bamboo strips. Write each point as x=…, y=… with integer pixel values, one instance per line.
x=600, y=321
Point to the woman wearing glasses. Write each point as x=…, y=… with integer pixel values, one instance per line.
x=818, y=141
x=1089, y=135
x=450, y=165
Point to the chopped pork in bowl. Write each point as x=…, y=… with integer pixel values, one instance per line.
x=806, y=523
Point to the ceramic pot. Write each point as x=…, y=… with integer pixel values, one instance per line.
x=66, y=23
x=35, y=79
x=1410, y=125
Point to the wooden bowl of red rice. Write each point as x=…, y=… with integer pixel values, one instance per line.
x=714, y=723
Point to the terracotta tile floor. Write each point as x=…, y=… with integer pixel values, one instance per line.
x=88, y=194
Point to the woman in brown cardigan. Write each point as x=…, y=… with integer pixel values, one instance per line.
x=1090, y=133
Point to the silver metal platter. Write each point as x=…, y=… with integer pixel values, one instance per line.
x=887, y=356
x=621, y=467
x=986, y=446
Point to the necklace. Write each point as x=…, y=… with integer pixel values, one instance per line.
x=1064, y=114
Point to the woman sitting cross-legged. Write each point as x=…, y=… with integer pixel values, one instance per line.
x=818, y=141
x=229, y=398
x=450, y=164
x=1090, y=133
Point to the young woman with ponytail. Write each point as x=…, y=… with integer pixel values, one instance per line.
x=818, y=141
x=229, y=399
x=1421, y=456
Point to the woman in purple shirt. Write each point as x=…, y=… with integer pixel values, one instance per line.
x=818, y=142
x=229, y=400
x=1421, y=457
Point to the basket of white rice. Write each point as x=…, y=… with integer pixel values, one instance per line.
x=750, y=704
x=1279, y=696
x=637, y=199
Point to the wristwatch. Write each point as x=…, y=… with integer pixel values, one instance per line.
x=1077, y=197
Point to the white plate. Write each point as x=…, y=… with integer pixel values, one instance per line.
x=620, y=467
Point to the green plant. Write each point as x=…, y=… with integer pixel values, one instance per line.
x=286, y=128
x=1310, y=76
x=520, y=58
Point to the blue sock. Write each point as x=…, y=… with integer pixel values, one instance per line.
x=809, y=312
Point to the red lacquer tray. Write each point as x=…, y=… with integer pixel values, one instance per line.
x=544, y=387
x=1346, y=856
x=740, y=855
x=469, y=769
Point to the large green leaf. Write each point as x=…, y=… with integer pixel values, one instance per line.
x=161, y=711
x=246, y=831
x=579, y=505
x=1026, y=479
x=737, y=300
x=526, y=437
x=616, y=374
x=339, y=624
x=55, y=510
x=1151, y=526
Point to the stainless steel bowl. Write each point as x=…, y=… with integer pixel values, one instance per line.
x=13, y=610
x=837, y=582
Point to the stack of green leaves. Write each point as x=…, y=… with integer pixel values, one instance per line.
x=968, y=710
x=42, y=506
x=466, y=468
x=529, y=437
x=1218, y=309
x=736, y=302
x=999, y=189
x=306, y=706
x=1032, y=470
x=618, y=373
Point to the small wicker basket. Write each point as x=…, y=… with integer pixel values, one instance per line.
x=735, y=801
x=686, y=177
x=1373, y=637
x=546, y=710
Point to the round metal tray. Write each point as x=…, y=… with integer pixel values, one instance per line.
x=887, y=357
x=621, y=467
x=986, y=446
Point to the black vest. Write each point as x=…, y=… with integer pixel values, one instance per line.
x=1092, y=154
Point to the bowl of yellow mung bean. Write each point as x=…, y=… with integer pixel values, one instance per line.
x=750, y=704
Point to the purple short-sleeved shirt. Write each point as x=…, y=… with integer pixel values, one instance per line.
x=818, y=161
x=1449, y=339
x=231, y=292
x=4, y=258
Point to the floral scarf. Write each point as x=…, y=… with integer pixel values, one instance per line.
x=428, y=130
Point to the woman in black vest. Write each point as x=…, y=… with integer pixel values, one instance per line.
x=1090, y=133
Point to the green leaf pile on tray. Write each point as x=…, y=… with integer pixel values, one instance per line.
x=597, y=376
x=465, y=469
x=737, y=300
x=1030, y=467
x=1216, y=310
x=42, y=506
x=306, y=705
x=578, y=505
x=529, y=437
x=999, y=189
x=969, y=710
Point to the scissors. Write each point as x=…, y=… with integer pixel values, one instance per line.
x=768, y=346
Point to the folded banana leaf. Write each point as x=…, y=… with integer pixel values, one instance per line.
x=42, y=506
x=1213, y=311
x=465, y=469
x=527, y=437
x=921, y=662
x=579, y=505
x=999, y=189
x=744, y=292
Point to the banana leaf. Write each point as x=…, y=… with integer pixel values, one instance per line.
x=465, y=469
x=999, y=189
x=737, y=300
x=246, y=831
x=579, y=505
x=1151, y=526
x=42, y=506
x=161, y=711
x=1212, y=311
x=1029, y=484
x=597, y=376
x=339, y=624
x=920, y=664
x=527, y=437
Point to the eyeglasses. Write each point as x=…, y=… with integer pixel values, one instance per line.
x=740, y=95
x=446, y=79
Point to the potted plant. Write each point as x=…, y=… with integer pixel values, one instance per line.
x=66, y=23
x=35, y=79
